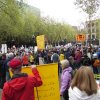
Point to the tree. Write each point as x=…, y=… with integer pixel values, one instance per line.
x=19, y=25
x=10, y=20
x=90, y=7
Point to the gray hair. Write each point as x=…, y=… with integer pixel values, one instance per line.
x=64, y=63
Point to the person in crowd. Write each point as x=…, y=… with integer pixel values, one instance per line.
x=85, y=60
x=49, y=57
x=25, y=60
x=66, y=78
x=89, y=52
x=67, y=53
x=21, y=86
x=0, y=70
x=73, y=64
x=31, y=59
x=61, y=56
x=6, y=67
x=84, y=86
x=96, y=63
x=55, y=57
x=45, y=56
x=78, y=56
x=93, y=61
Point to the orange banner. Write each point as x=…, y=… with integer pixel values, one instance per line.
x=80, y=37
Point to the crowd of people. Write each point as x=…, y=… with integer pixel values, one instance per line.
x=69, y=59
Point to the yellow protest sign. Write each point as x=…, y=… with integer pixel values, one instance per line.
x=40, y=42
x=50, y=88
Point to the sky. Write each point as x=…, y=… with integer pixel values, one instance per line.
x=60, y=10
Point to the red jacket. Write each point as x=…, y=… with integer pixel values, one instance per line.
x=25, y=59
x=21, y=86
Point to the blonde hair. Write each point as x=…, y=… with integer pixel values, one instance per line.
x=85, y=81
x=64, y=63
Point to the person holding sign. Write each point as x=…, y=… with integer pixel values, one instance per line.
x=20, y=86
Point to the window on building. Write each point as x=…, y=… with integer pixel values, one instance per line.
x=93, y=36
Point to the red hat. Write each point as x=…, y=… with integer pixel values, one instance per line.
x=15, y=63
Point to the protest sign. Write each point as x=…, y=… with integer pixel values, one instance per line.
x=50, y=88
x=40, y=42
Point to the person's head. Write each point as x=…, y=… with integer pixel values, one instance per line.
x=84, y=80
x=15, y=65
x=64, y=64
x=71, y=59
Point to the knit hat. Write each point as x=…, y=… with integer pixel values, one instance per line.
x=15, y=63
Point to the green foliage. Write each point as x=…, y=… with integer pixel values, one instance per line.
x=20, y=25
x=88, y=6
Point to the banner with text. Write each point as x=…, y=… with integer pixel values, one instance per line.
x=50, y=88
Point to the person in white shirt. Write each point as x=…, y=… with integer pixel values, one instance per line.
x=84, y=86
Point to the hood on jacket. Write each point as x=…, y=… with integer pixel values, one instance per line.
x=69, y=69
x=16, y=84
x=81, y=95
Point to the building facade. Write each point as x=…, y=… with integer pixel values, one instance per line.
x=93, y=31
